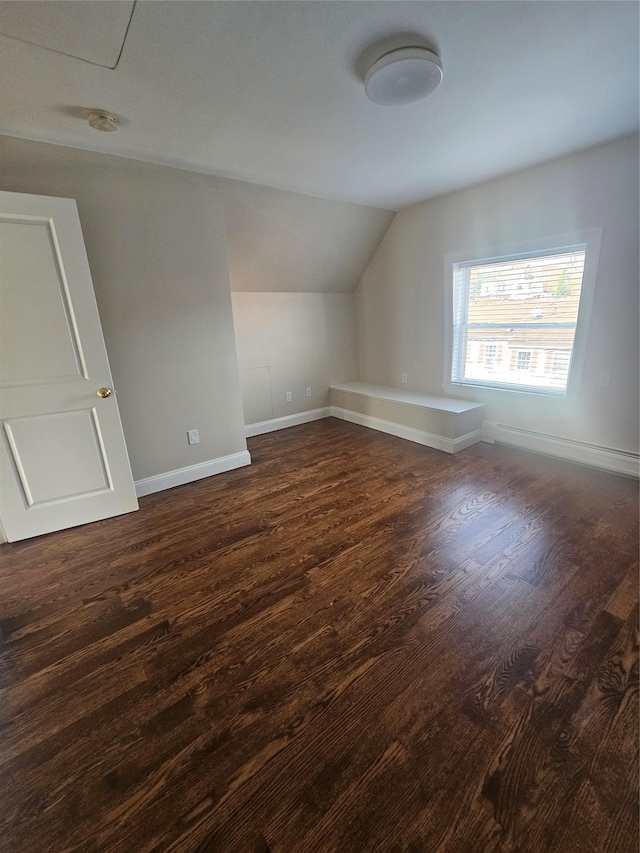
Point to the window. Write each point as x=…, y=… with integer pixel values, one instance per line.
x=490, y=353
x=523, y=360
x=560, y=362
x=516, y=319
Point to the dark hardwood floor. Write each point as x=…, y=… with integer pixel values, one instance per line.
x=355, y=644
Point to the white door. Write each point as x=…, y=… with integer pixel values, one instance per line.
x=63, y=460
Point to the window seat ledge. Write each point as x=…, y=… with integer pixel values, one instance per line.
x=451, y=405
x=445, y=423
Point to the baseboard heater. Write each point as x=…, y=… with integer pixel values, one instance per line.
x=594, y=455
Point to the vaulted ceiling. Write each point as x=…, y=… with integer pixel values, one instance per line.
x=272, y=92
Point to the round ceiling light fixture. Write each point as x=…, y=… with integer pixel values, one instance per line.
x=402, y=76
x=102, y=120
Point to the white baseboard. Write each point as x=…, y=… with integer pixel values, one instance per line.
x=428, y=439
x=180, y=476
x=617, y=461
x=467, y=440
x=287, y=421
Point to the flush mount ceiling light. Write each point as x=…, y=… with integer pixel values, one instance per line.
x=102, y=120
x=403, y=75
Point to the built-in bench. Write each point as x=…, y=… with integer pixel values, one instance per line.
x=445, y=423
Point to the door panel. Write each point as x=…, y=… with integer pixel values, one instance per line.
x=47, y=477
x=37, y=339
x=63, y=459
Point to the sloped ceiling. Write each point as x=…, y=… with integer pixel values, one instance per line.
x=283, y=241
x=272, y=92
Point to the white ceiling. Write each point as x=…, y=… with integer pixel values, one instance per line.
x=272, y=92
x=94, y=32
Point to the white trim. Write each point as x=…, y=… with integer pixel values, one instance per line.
x=609, y=459
x=466, y=440
x=160, y=482
x=409, y=398
x=287, y=421
x=428, y=439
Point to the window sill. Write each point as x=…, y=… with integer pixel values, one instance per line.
x=464, y=388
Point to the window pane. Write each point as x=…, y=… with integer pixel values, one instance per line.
x=516, y=319
x=541, y=289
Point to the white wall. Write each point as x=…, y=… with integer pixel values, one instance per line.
x=294, y=262
x=400, y=300
x=159, y=240
x=156, y=246
x=289, y=341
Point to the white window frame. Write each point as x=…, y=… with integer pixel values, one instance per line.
x=590, y=239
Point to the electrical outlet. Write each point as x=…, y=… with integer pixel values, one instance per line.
x=287, y=396
x=404, y=378
x=308, y=390
x=193, y=437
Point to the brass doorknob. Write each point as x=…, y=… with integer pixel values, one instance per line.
x=104, y=392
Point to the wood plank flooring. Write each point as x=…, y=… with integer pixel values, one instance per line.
x=355, y=644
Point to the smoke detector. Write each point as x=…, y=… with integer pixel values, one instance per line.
x=102, y=120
